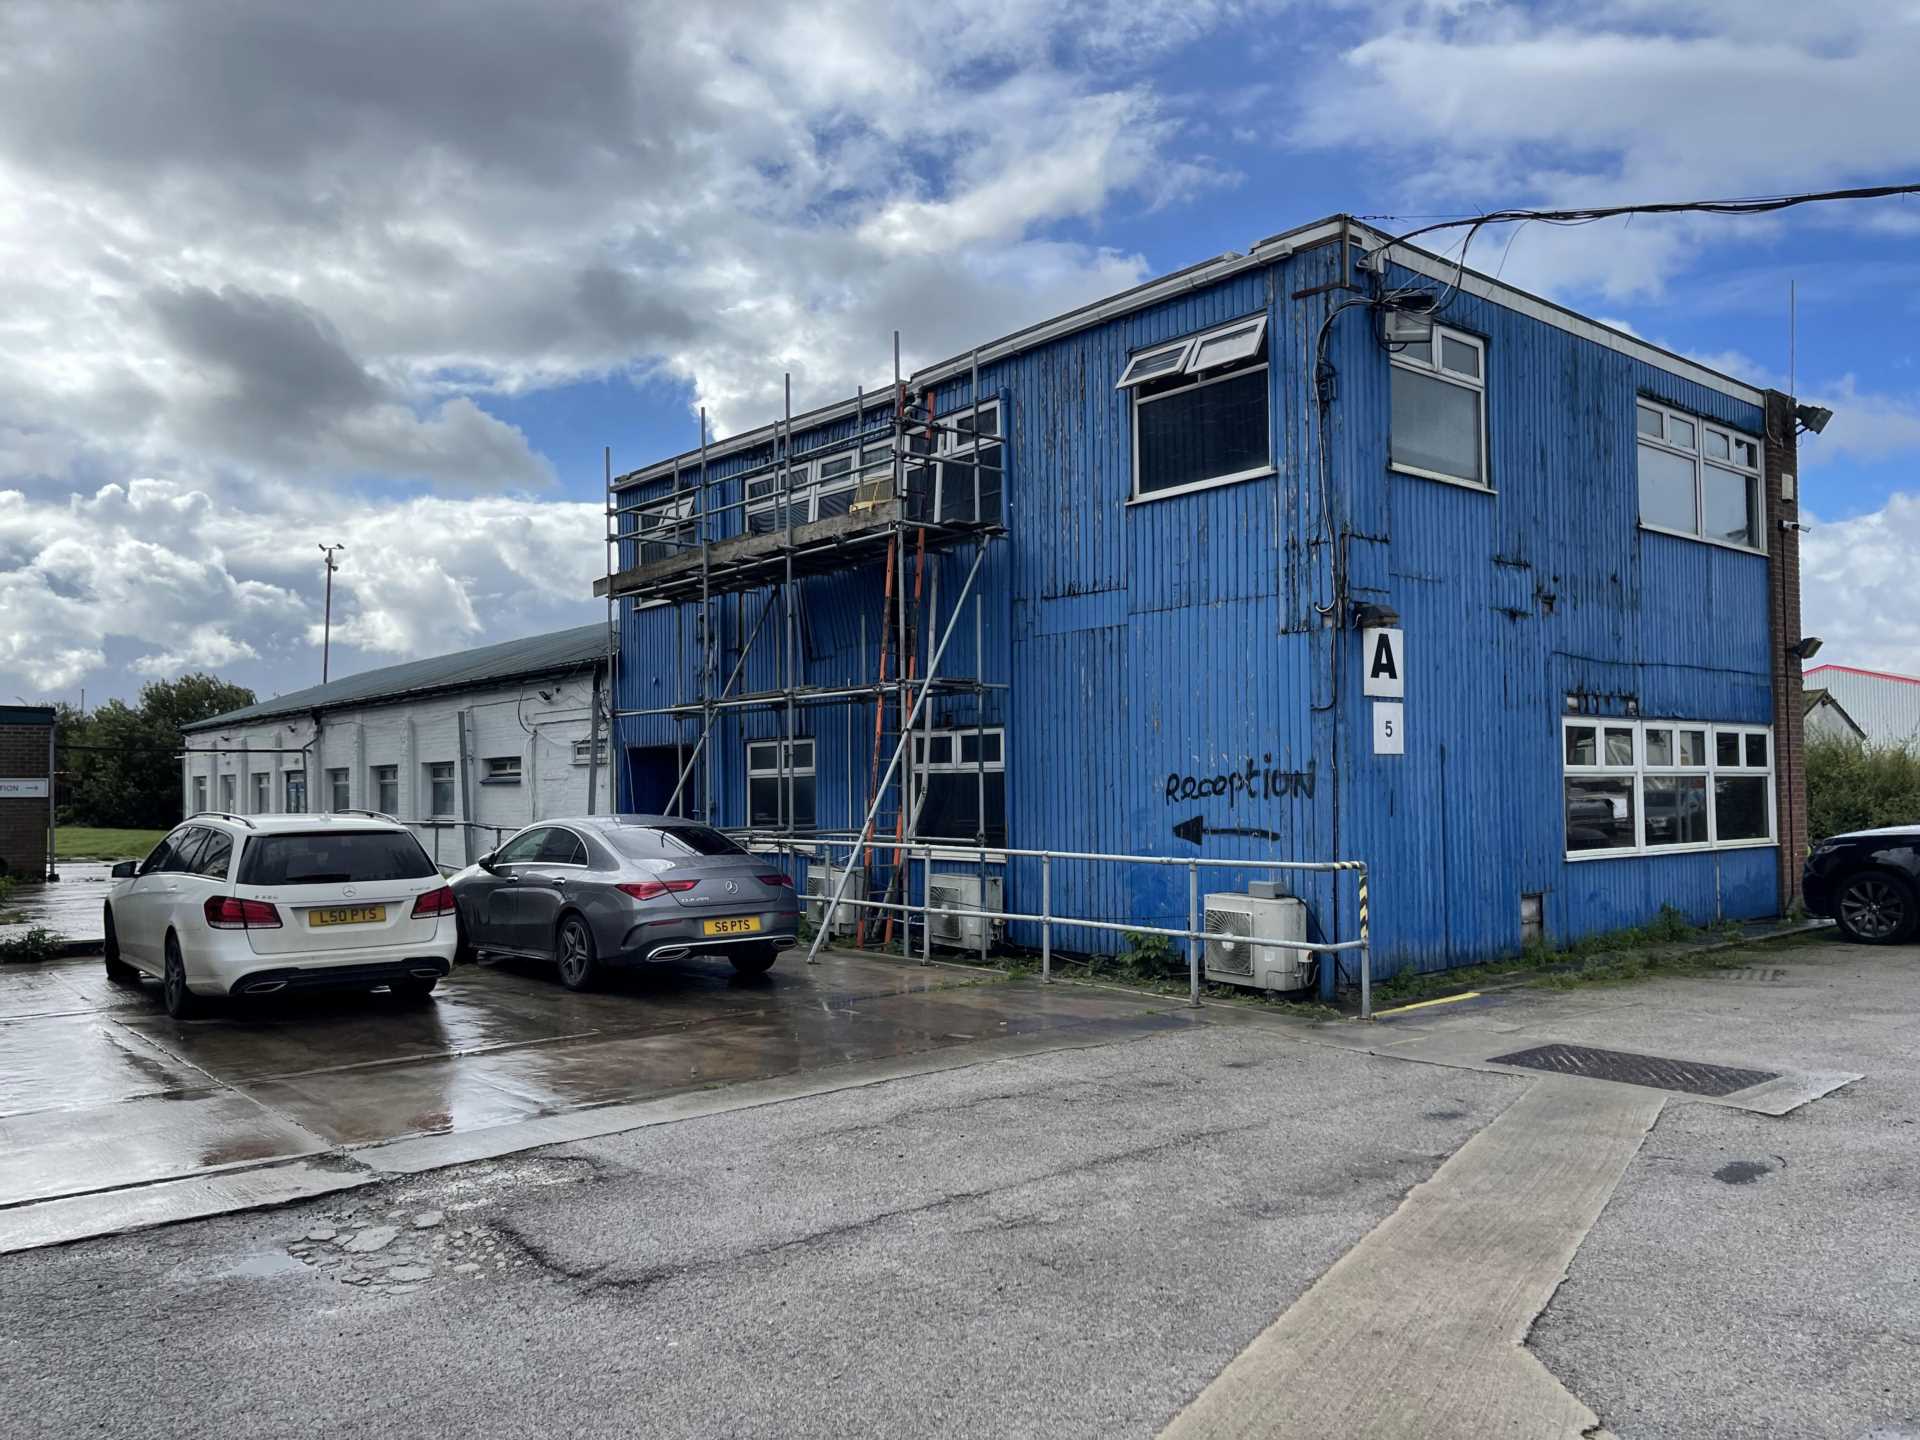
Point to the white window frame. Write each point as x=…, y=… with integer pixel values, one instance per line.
x=229, y=792
x=1432, y=369
x=1639, y=771
x=1754, y=475
x=947, y=741
x=260, y=792
x=502, y=770
x=787, y=751
x=1189, y=350
x=339, y=781
x=799, y=483
x=199, y=794
x=951, y=442
x=672, y=513
x=377, y=780
x=427, y=768
x=583, y=751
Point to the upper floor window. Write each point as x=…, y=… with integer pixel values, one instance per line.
x=966, y=486
x=1439, y=407
x=666, y=526
x=1201, y=410
x=961, y=777
x=1698, y=478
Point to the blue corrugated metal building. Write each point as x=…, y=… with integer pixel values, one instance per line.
x=1199, y=501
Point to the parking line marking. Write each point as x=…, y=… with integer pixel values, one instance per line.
x=1424, y=1004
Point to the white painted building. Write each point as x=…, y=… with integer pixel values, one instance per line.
x=465, y=748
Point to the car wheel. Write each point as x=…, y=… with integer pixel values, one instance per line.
x=753, y=959
x=1876, y=908
x=411, y=990
x=182, y=1003
x=573, y=949
x=118, y=971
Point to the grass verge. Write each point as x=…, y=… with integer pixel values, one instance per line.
x=1666, y=946
x=84, y=842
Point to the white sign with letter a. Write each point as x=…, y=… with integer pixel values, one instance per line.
x=1383, y=668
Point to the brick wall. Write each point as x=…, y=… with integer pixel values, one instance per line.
x=23, y=823
x=1783, y=571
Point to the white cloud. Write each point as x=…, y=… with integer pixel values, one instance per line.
x=211, y=585
x=278, y=257
x=1619, y=101
x=1857, y=587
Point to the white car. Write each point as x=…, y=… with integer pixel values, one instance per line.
x=237, y=905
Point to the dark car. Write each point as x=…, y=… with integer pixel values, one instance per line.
x=614, y=890
x=1869, y=882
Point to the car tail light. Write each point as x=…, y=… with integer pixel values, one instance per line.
x=434, y=902
x=649, y=889
x=229, y=912
x=775, y=877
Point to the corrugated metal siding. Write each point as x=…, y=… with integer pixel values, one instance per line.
x=1887, y=707
x=1180, y=637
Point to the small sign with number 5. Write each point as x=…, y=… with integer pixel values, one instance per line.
x=1389, y=733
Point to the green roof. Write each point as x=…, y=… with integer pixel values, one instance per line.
x=510, y=660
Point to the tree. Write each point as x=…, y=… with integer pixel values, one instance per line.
x=120, y=765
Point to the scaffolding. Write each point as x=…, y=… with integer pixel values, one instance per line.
x=906, y=485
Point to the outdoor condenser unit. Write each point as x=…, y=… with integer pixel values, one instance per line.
x=946, y=893
x=821, y=884
x=1240, y=961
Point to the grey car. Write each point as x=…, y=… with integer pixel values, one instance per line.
x=616, y=890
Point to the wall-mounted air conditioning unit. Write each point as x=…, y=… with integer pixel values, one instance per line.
x=1240, y=961
x=947, y=893
x=822, y=882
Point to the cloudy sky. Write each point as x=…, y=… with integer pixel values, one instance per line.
x=391, y=275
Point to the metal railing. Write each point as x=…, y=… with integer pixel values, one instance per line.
x=927, y=853
x=437, y=826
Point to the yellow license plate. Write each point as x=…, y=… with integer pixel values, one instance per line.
x=744, y=925
x=348, y=915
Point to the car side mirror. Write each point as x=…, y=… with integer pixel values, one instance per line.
x=126, y=870
x=485, y=862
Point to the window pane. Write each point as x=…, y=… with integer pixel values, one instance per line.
x=1239, y=343
x=803, y=802
x=1666, y=490
x=763, y=757
x=1581, y=745
x=1728, y=500
x=1659, y=749
x=653, y=842
x=1599, y=812
x=1716, y=445
x=1203, y=432
x=1745, y=453
x=334, y=859
x=1757, y=751
x=1726, y=749
x=1740, y=807
x=838, y=465
x=1458, y=356
x=1676, y=809
x=802, y=753
x=1145, y=367
x=1680, y=432
x=763, y=803
x=1693, y=747
x=1619, y=746
x=1648, y=421
x=1436, y=426
x=216, y=857
x=1421, y=350
x=971, y=746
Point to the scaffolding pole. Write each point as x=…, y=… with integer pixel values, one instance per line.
x=738, y=666
x=906, y=741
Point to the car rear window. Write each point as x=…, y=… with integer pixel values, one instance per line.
x=333, y=858
x=658, y=842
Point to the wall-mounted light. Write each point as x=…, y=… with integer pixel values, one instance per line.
x=1371, y=616
x=1812, y=418
x=1805, y=648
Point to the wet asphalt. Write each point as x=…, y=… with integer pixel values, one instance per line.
x=1063, y=1244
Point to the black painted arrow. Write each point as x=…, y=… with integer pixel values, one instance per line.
x=1197, y=829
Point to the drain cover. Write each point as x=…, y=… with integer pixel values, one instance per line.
x=1691, y=1077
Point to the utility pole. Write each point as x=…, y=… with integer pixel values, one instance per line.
x=326, y=633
